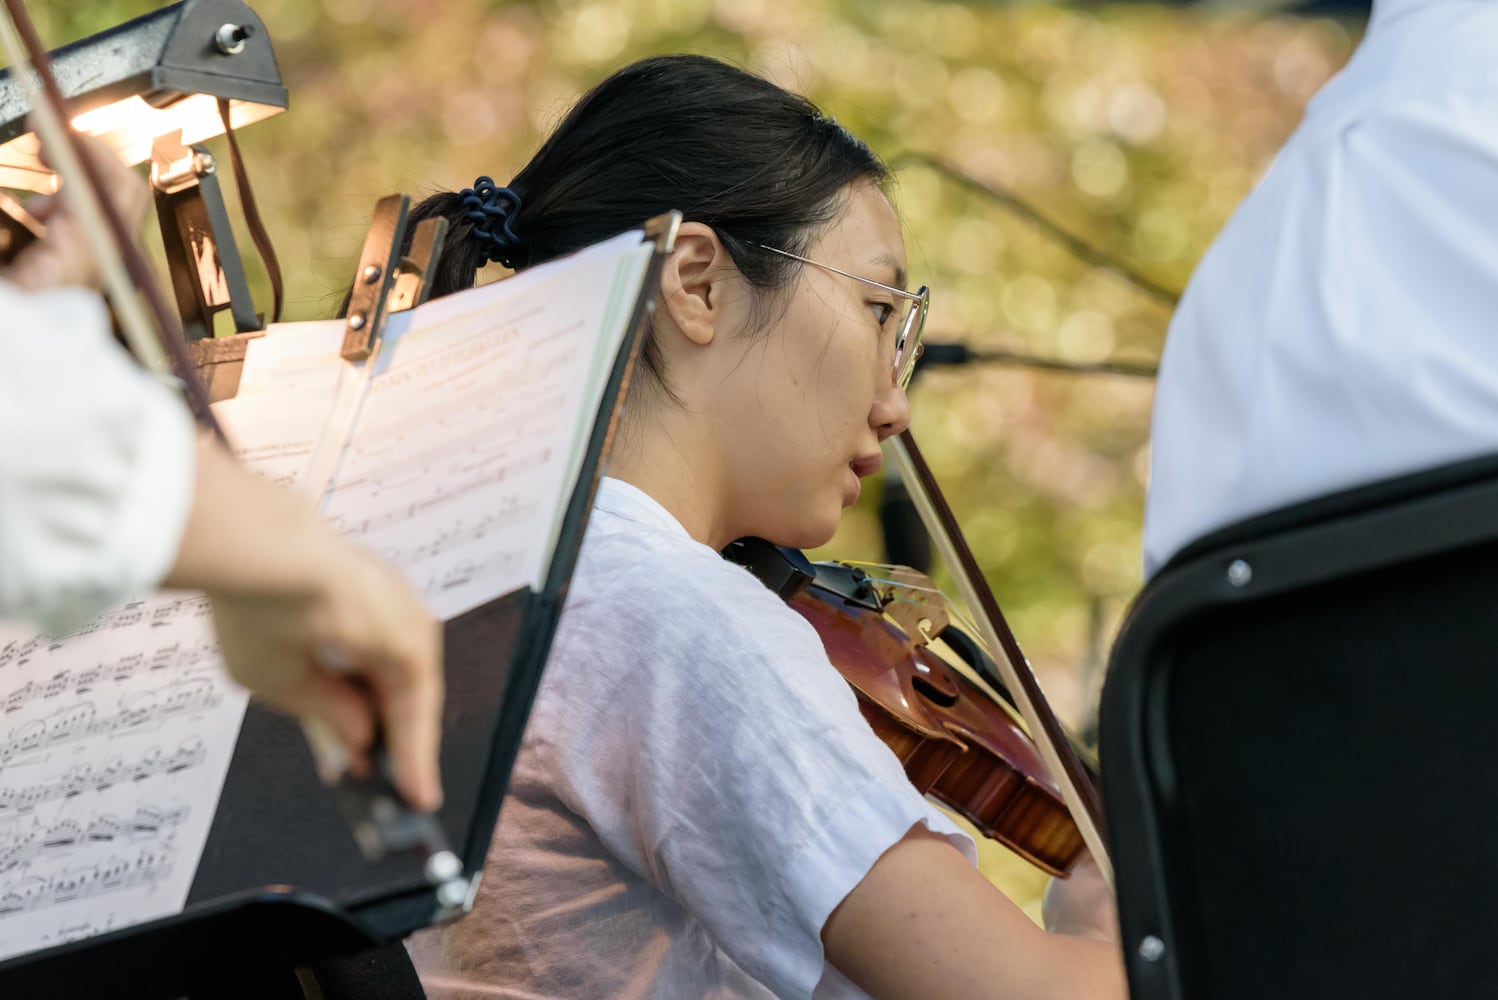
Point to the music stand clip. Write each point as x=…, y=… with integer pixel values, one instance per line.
x=386, y=281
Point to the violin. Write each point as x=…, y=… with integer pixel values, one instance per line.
x=956, y=743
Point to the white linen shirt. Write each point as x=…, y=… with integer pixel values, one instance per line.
x=96, y=463
x=696, y=793
x=1343, y=328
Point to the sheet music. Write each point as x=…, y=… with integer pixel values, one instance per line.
x=114, y=744
x=472, y=426
x=299, y=397
x=453, y=456
x=293, y=360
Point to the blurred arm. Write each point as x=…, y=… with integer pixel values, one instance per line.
x=925, y=922
x=96, y=463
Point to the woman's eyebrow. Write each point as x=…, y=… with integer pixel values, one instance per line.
x=889, y=261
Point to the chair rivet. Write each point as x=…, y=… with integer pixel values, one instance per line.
x=1240, y=573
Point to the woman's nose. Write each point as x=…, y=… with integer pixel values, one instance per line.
x=891, y=412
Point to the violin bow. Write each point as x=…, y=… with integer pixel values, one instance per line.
x=1060, y=759
x=121, y=262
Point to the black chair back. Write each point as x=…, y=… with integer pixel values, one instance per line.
x=1296, y=730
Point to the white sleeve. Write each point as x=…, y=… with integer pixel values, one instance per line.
x=712, y=746
x=96, y=463
x=1340, y=329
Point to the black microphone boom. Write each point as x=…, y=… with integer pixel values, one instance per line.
x=957, y=353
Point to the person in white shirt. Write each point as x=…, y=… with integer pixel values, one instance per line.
x=1341, y=329
x=699, y=809
x=107, y=490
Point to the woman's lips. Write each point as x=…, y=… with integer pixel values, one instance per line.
x=866, y=465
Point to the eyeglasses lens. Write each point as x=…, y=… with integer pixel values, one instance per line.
x=908, y=344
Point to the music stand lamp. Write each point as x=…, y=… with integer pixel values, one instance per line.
x=150, y=89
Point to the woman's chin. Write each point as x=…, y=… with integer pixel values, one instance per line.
x=808, y=532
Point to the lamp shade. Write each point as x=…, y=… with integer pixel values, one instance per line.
x=159, y=74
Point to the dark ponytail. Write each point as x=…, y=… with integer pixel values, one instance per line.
x=729, y=149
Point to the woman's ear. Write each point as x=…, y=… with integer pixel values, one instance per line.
x=692, y=282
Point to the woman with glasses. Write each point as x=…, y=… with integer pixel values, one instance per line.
x=699, y=809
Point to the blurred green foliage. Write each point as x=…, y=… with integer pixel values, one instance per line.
x=1139, y=128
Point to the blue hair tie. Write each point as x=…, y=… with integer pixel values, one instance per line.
x=491, y=209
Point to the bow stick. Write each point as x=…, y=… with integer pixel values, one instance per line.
x=1060, y=759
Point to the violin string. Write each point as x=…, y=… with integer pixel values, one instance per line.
x=889, y=569
x=940, y=598
x=993, y=687
x=892, y=582
x=958, y=614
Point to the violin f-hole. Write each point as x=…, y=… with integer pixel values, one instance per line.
x=931, y=692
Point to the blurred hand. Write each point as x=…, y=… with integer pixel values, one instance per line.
x=358, y=654
x=1081, y=905
x=63, y=256
x=314, y=624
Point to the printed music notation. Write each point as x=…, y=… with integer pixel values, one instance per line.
x=19, y=647
x=83, y=778
x=66, y=931
x=83, y=720
x=458, y=464
x=114, y=741
x=507, y=510
x=144, y=869
x=113, y=745
x=63, y=837
x=69, y=682
x=452, y=454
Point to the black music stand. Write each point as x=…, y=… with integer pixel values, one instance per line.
x=1295, y=728
x=281, y=884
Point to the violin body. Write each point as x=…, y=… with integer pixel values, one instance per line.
x=955, y=742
